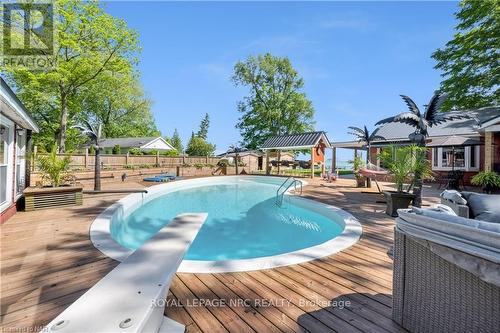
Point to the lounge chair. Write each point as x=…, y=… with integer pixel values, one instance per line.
x=124, y=300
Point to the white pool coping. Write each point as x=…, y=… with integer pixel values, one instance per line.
x=100, y=234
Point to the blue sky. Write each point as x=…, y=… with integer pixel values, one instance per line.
x=355, y=57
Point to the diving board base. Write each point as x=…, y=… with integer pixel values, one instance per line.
x=171, y=326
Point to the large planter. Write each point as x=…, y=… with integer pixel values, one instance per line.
x=397, y=200
x=360, y=181
x=52, y=197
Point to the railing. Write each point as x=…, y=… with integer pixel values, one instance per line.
x=280, y=196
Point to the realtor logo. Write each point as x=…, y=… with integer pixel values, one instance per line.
x=28, y=35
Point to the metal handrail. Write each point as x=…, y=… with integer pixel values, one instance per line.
x=279, y=198
x=283, y=184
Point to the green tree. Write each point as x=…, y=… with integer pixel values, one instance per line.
x=275, y=105
x=204, y=125
x=90, y=43
x=199, y=147
x=470, y=60
x=118, y=101
x=176, y=141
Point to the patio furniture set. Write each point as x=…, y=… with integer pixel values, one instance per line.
x=447, y=265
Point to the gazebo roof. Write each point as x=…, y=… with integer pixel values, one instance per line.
x=296, y=141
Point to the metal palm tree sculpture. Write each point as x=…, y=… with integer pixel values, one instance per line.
x=422, y=122
x=236, y=150
x=364, y=135
x=94, y=133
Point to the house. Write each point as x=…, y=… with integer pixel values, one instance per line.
x=16, y=126
x=144, y=144
x=476, y=142
x=254, y=159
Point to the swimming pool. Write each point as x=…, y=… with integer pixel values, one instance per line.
x=245, y=229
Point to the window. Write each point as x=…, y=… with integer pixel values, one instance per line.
x=460, y=158
x=4, y=162
x=20, y=161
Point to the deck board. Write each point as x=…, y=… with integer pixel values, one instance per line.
x=47, y=262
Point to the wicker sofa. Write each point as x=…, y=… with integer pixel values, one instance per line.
x=446, y=273
x=473, y=205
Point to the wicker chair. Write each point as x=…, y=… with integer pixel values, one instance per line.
x=432, y=293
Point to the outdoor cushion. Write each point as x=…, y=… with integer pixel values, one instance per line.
x=493, y=227
x=470, y=244
x=454, y=196
x=440, y=208
x=485, y=207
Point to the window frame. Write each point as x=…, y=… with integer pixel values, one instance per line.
x=467, y=154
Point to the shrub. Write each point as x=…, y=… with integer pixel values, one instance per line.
x=129, y=166
x=135, y=151
x=486, y=179
x=152, y=152
x=223, y=162
x=146, y=166
x=117, y=150
x=172, y=153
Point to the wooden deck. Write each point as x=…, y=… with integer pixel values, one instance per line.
x=48, y=261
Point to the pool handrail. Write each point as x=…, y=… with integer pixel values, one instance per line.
x=131, y=298
x=279, y=197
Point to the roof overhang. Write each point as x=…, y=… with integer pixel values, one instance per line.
x=12, y=108
x=492, y=125
x=348, y=145
x=145, y=145
x=321, y=137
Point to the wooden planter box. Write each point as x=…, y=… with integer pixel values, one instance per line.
x=52, y=197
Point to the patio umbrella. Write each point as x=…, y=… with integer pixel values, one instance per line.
x=454, y=141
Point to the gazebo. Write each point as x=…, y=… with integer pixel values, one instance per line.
x=316, y=142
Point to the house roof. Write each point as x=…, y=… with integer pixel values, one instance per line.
x=13, y=109
x=468, y=127
x=398, y=133
x=130, y=142
x=296, y=141
x=453, y=140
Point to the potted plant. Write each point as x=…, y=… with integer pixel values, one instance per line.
x=55, y=174
x=406, y=164
x=357, y=164
x=489, y=180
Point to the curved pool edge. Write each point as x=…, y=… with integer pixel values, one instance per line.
x=101, y=238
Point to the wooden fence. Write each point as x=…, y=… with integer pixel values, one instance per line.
x=119, y=161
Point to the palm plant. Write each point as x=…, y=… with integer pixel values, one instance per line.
x=94, y=133
x=53, y=167
x=422, y=122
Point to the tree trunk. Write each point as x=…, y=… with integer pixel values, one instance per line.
x=368, y=180
x=279, y=161
x=97, y=170
x=417, y=187
x=236, y=163
x=63, y=123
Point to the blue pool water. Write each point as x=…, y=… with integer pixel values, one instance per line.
x=243, y=221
